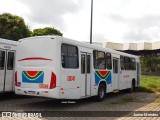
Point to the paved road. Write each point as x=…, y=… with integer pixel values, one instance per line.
x=136, y=101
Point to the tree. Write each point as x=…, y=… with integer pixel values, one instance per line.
x=150, y=64
x=13, y=27
x=46, y=31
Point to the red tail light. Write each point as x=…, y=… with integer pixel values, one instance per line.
x=16, y=80
x=53, y=81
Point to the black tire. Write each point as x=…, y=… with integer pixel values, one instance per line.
x=101, y=92
x=132, y=89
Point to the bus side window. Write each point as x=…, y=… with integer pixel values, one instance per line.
x=109, y=60
x=127, y=63
x=115, y=66
x=2, y=59
x=133, y=64
x=99, y=60
x=69, y=56
x=122, y=62
x=83, y=64
x=88, y=63
x=10, y=61
x=64, y=50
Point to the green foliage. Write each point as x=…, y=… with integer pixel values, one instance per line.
x=150, y=84
x=13, y=27
x=150, y=64
x=157, y=100
x=46, y=31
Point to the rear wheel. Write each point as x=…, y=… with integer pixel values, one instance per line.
x=132, y=87
x=101, y=92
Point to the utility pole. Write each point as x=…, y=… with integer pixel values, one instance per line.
x=91, y=21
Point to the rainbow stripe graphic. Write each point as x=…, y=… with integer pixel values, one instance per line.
x=103, y=75
x=32, y=76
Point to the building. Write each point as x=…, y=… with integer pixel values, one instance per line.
x=140, y=49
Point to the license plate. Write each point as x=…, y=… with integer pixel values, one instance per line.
x=31, y=92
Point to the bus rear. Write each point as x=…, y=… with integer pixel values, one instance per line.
x=37, y=67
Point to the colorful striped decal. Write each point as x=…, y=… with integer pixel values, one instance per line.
x=29, y=74
x=103, y=75
x=32, y=76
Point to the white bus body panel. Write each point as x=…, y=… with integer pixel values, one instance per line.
x=81, y=86
x=33, y=55
x=43, y=54
x=7, y=48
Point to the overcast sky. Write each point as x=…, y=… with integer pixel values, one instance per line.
x=113, y=20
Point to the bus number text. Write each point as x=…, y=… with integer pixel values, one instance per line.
x=43, y=85
x=71, y=78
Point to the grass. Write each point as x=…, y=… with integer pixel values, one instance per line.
x=125, y=100
x=157, y=100
x=150, y=84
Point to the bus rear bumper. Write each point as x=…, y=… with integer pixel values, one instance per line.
x=48, y=93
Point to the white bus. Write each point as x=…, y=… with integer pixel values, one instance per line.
x=7, y=56
x=60, y=68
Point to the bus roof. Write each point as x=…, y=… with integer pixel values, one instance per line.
x=87, y=45
x=8, y=42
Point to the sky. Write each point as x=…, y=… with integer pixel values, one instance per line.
x=113, y=20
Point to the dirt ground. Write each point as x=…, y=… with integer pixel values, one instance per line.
x=120, y=106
